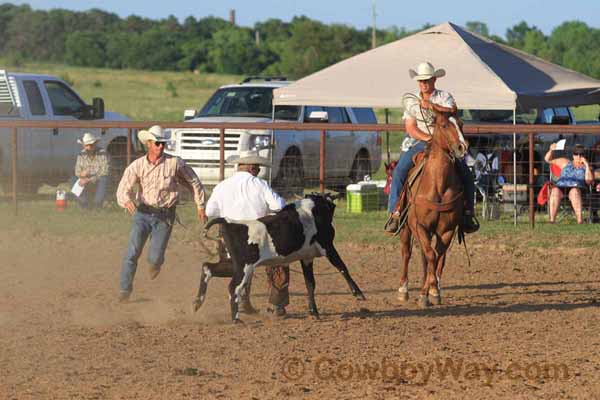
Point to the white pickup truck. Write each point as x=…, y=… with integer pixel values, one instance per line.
x=48, y=155
x=295, y=154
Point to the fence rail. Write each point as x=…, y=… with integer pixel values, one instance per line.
x=469, y=129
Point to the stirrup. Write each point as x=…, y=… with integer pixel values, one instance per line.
x=389, y=227
x=473, y=225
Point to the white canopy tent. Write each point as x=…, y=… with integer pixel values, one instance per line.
x=480, y=73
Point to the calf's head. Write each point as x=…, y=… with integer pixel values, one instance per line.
x=323, y=214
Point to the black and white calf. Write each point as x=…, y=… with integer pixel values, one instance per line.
x=301, y=231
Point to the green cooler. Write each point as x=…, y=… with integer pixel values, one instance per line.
x=362, y=197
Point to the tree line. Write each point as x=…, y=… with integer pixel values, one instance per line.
x=97, y=38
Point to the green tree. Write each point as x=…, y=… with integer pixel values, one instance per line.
x=86, y=49
x=234, y=51
x=478, y=27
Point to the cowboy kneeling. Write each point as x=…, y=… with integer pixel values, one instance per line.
x=91, y=171
x=419, y=121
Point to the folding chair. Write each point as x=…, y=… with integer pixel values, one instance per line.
x=564, y=210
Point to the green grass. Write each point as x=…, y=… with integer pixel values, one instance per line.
x=40, y=218
x=587, y=113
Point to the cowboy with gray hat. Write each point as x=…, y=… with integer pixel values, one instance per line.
x=419, y=121
x=153, y=206
x=244, y=196
x=91, y=171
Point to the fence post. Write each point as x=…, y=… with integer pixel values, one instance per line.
x=14, y=171
x=531, y=183
x=322, y=162
x=128, y=146
x=222, y=154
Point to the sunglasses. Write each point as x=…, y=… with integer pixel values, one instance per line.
x=158, y=144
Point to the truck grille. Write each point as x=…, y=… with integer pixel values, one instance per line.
x=208, y=140
x=205, y=163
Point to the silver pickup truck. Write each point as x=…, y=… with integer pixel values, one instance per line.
x=295, y=154
x=48, y=155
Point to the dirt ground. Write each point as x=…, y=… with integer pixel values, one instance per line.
x=520, y=323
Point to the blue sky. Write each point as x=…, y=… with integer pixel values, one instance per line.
x=498, y=15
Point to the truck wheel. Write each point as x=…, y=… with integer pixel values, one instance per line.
x=117, y=149
x=290, y=179
x=360, y=167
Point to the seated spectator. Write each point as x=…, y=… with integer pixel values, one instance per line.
x=91, y=170
x=574, y=175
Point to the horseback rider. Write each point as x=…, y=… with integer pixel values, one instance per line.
x=419, y=121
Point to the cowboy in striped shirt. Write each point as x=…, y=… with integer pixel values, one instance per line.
x=158, y=175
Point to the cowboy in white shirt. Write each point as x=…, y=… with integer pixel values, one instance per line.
x=245, y=196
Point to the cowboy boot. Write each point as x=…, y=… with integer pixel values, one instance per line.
x=392, y=224
x=469, y=222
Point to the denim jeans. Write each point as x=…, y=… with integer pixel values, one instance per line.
x=400, y=174
x=99, y=189
x=143, y=225
x=405, y=163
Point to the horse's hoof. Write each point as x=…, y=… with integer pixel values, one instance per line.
x=315, y=314
x=403, y=296
x=359, y=296
x=424, y=302
x=237, y=321
x=196, y=305
x=436, y=300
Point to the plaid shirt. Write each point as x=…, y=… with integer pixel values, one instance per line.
x=158, y=182
x=94, y=167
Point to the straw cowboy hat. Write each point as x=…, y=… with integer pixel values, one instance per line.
x=88, y=138
x=155, y=134
x=249, y=157
x=425, y=71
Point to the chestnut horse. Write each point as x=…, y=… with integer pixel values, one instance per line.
x=435, y=208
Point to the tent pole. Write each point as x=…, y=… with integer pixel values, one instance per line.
x=272, y=146
x=387, y=134
x=515, y=168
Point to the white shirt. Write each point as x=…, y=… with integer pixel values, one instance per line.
x=424, y=117
x=243, y=197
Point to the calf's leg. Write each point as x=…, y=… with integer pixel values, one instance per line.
x=309, y=279
x=221, y=269
x=335, y=259
x=234, y=295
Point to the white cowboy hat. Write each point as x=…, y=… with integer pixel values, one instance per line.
x=249, y=157
x=425, y=71
x=155, y=134
x=88, y=138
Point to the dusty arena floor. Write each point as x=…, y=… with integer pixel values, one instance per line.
x=521, y=322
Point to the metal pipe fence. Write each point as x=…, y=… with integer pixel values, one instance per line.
x=520, y=167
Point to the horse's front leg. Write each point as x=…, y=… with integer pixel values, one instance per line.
x=430, y=256
x=435, y=292
x=406, y=251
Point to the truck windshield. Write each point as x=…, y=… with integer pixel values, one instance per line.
x=247, y=102
x=240, y=102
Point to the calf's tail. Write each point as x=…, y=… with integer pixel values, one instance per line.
x=214, y=222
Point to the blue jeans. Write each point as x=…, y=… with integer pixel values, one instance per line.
x=143, y=225
x=405, y=164
x=99, y=189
